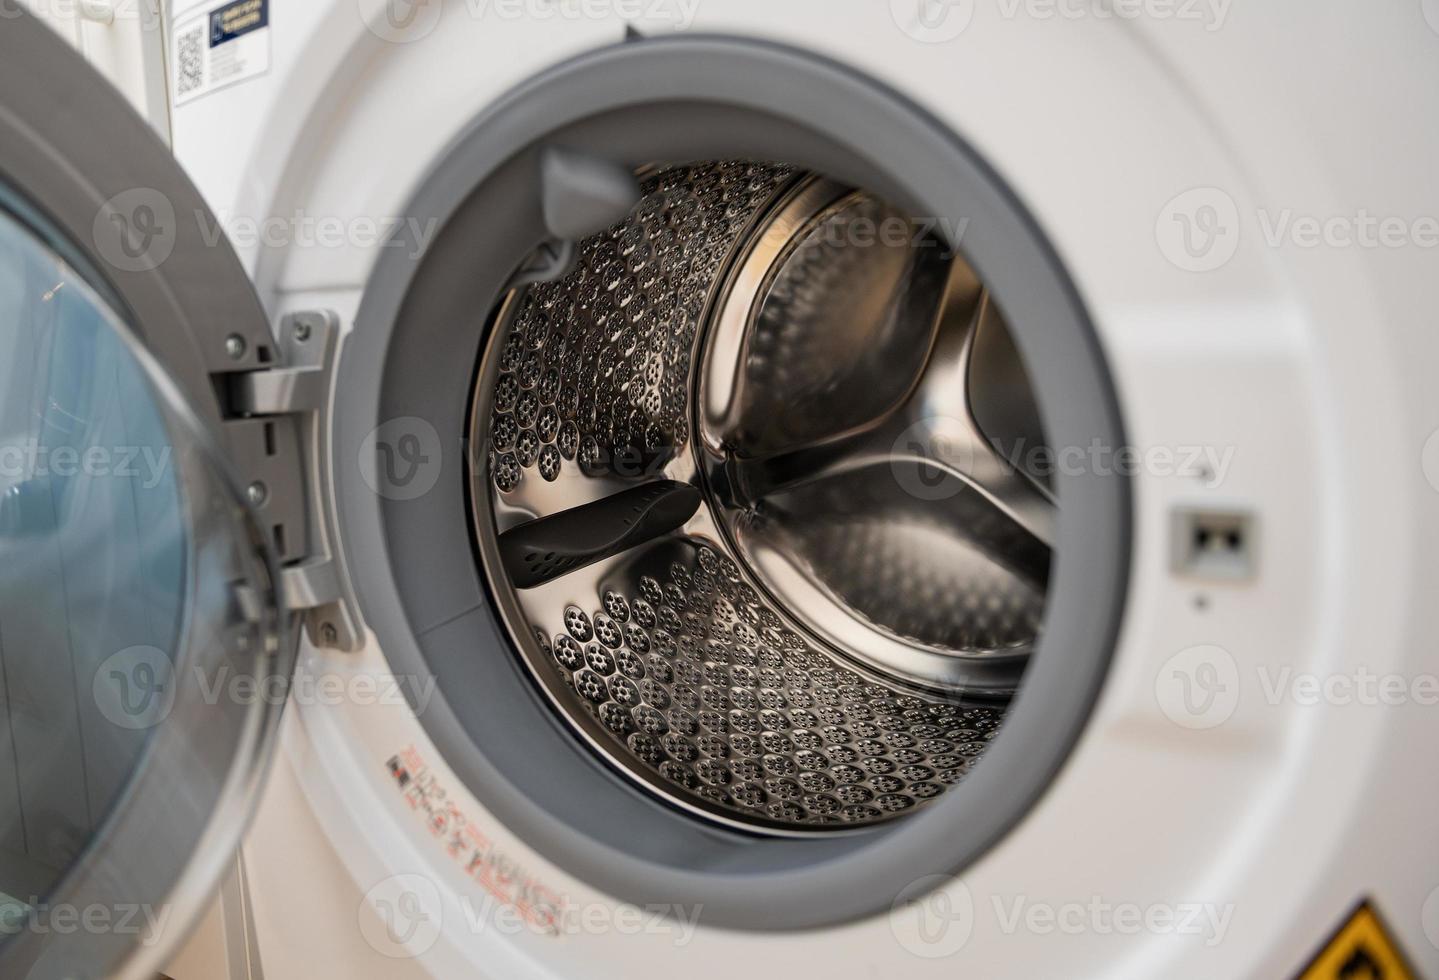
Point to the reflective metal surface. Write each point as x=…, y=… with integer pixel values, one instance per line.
x=825, y=633
x=843, y=454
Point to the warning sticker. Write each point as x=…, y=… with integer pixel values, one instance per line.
x=1362, y=949
x=220, y=44
x=539, y=907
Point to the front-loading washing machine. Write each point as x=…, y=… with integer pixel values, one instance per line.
x=836, y=489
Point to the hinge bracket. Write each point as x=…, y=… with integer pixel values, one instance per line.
x=277, y=426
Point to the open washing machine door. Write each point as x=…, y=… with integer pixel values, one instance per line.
x=147, y=649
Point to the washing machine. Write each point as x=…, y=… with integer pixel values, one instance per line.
x=652, y=488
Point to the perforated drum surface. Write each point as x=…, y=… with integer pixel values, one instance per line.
x=669, y=652
x=693, y=674
x=597, y=365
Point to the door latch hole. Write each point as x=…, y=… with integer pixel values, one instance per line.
x=1214, y=544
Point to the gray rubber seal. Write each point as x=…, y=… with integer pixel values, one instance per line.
x=413, y=355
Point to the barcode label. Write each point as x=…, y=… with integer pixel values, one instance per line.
x=190, y=56
x=219, y=44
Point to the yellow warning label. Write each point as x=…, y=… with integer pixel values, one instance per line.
x=1362, y=949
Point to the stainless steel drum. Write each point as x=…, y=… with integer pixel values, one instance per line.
x=758, y=495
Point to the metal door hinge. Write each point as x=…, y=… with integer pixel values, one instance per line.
x=278, y=431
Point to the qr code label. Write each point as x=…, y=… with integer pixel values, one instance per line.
x=190, y=56
x=219, y=44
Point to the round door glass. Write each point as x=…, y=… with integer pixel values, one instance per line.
x=139, y=638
